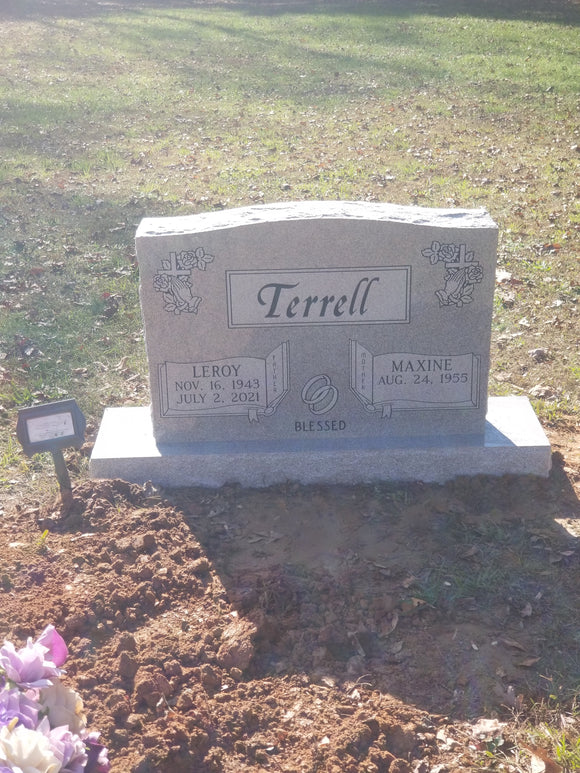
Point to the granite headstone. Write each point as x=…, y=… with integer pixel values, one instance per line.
x=354, y=337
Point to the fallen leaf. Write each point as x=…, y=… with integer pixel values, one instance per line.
x=513, y=643
x=541, y=763
x=542, y=391
x=537, y=765
x=539, y=355
x=389, y=624
x=411, y=604
x=502, y=276
x=527, y=662
x=394, y=648
x=527, y=610
x=447, y=742
x=502, y=377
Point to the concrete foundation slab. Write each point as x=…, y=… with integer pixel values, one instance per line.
x=514, y=443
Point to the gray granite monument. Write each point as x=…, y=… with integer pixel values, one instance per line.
x=318, y=341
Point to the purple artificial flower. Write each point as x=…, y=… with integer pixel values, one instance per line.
x=30, y=666
x=55, y=644
x=15, y=704
x=67, y=747
x=98, y=761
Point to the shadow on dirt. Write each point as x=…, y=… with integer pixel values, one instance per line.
x=455, y=598
x=332, y=626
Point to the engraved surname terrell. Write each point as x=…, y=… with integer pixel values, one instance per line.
x=344, y=296
x=275, y=296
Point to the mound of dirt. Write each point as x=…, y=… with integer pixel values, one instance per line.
x=291, y=629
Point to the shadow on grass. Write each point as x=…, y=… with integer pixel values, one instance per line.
x=549, y=11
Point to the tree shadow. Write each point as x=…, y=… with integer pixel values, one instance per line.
x=548, y=11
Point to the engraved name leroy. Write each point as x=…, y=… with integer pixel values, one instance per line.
x=334, y=296
x=242, y=385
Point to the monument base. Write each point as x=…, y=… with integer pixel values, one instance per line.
x=514, y=443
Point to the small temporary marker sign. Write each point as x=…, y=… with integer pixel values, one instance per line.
x=52, y=427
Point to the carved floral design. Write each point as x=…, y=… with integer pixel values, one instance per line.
x=438, y=252
x=462, y=272
x=174, y=280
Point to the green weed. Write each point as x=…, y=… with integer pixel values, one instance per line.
x=11, y=454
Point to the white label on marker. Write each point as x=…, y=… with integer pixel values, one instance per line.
x=43, y=428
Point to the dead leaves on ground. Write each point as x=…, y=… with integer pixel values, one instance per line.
x=541, y=762
x=526, y=662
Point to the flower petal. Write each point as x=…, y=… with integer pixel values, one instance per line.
x=55, y=644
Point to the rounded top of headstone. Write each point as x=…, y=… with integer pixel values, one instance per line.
x=308, y=210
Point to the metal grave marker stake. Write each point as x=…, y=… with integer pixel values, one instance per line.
x=52, y=427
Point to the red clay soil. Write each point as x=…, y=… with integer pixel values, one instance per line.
x=297, y=628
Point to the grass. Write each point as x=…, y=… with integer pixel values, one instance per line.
x=108, y=116
x=549, y=728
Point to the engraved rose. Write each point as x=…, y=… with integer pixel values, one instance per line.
x=438, y=252
x=186, y=260
x=474, y=274
x=448, y=252
x=162, y=283
x=197, y=258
